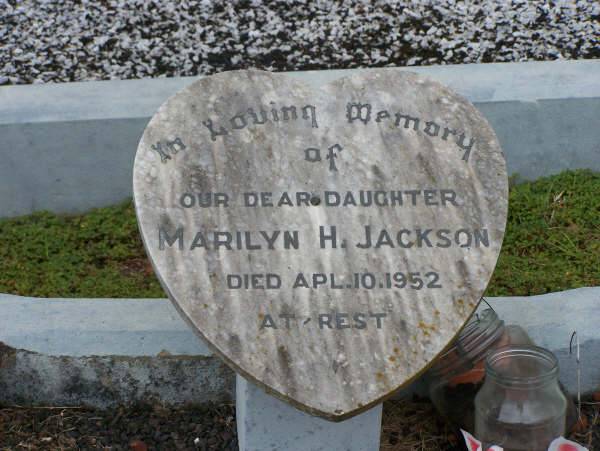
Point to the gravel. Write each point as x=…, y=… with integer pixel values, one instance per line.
x=407, y=425
x=137, y=428
x=74, y=40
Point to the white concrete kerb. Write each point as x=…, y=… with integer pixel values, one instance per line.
x=66, y=349
x=544, y=113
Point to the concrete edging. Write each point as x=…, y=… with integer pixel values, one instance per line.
x=61, y=143
x=103, y=352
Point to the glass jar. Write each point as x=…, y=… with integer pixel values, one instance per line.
x=458, y=374
x=521, y=406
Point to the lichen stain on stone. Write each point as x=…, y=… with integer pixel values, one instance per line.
x=427, y=329
x=214, y=280
x=381, y=378
x=460, y=306
x=196, y=179
x=285, y=364
x=269, y=150
x=166, y=223
x=106, y=381
x=378, y=173
x=235, y=344
x=424, y=163
x=8, y=356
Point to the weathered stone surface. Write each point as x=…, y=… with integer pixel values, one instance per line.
x=31, y=378
x=348, y=320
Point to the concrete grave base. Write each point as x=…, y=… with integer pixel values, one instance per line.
x=103, y=352
x=265, y=423
x=29, y=378
x=65, y=140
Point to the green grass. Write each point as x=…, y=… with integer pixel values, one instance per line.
x=552, y=243
x=98, y=254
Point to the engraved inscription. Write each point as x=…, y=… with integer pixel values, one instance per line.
x=361, y=112
x=329, y=242
x=313, y=155
x=166, y=149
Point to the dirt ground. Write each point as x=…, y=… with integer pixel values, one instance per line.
x=408, y=425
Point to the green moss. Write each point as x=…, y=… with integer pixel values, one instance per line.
x=98, y=254
x=552, y=243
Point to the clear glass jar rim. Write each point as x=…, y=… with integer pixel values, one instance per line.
x=472, y=343
x=512, y=351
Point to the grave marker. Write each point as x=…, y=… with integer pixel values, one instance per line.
x=328, y=243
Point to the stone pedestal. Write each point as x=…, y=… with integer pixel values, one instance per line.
x=265, y=423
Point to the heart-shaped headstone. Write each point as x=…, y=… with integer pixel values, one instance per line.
x=328, y=243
